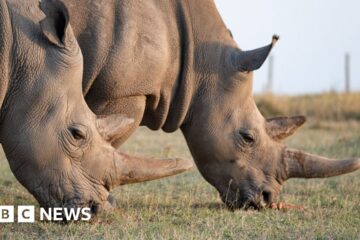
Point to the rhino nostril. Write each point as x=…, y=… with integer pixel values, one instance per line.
x=267, y=196
x=94, y=208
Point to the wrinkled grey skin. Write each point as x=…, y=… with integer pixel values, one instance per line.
x=56, y=147
x=173, y=64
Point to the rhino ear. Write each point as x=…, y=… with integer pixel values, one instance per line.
x=281, y=127
x=55, y=26
x=247, y=61
x=113, y=126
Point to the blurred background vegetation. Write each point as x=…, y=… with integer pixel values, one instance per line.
x=320, y=107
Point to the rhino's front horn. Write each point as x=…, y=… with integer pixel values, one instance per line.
x=304, y=165
x=113, y=126
x=128, y=169
x=246, y=61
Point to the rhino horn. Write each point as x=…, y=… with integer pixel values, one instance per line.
x=246, y=61
x=113, y=126
x=281, y=127
x=128, y=169
x=299, y=164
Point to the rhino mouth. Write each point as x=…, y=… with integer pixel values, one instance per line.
x=247, y=205
x=58, y=196
x=248, y=200
x=92, y=205
x=74, y=204
x=72, y=211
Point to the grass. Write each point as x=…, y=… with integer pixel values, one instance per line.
x=186, y=207
x=328, y=106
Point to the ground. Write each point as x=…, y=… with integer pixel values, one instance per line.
x=186, y=207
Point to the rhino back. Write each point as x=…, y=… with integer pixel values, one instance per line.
x=133, y=57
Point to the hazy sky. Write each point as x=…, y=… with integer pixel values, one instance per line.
x=314, y=36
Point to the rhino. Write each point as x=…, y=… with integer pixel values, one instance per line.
x=173, y=64
x=56, y=146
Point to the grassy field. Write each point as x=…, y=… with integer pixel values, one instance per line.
x=186, y=207
x=327, y=106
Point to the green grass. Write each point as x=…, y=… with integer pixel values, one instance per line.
x=186, y=207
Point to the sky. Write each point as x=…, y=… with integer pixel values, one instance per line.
x=314, y=37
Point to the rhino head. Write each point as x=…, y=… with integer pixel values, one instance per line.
x=56, y=147
x=235, y=148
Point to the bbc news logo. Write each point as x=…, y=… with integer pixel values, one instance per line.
x=26, y=214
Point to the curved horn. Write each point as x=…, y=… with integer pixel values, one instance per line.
x=113, y=126
x=128, y=169
x=247, y=61
x=304, y=165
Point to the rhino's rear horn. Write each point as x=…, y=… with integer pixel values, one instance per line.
x=113, y=126
x=246, y=61
x=299, y=164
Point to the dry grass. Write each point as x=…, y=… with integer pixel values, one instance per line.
x=330, y=106
x=186, y=207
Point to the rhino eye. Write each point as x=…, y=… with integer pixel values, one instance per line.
x=247, y=137
x=77, y=133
